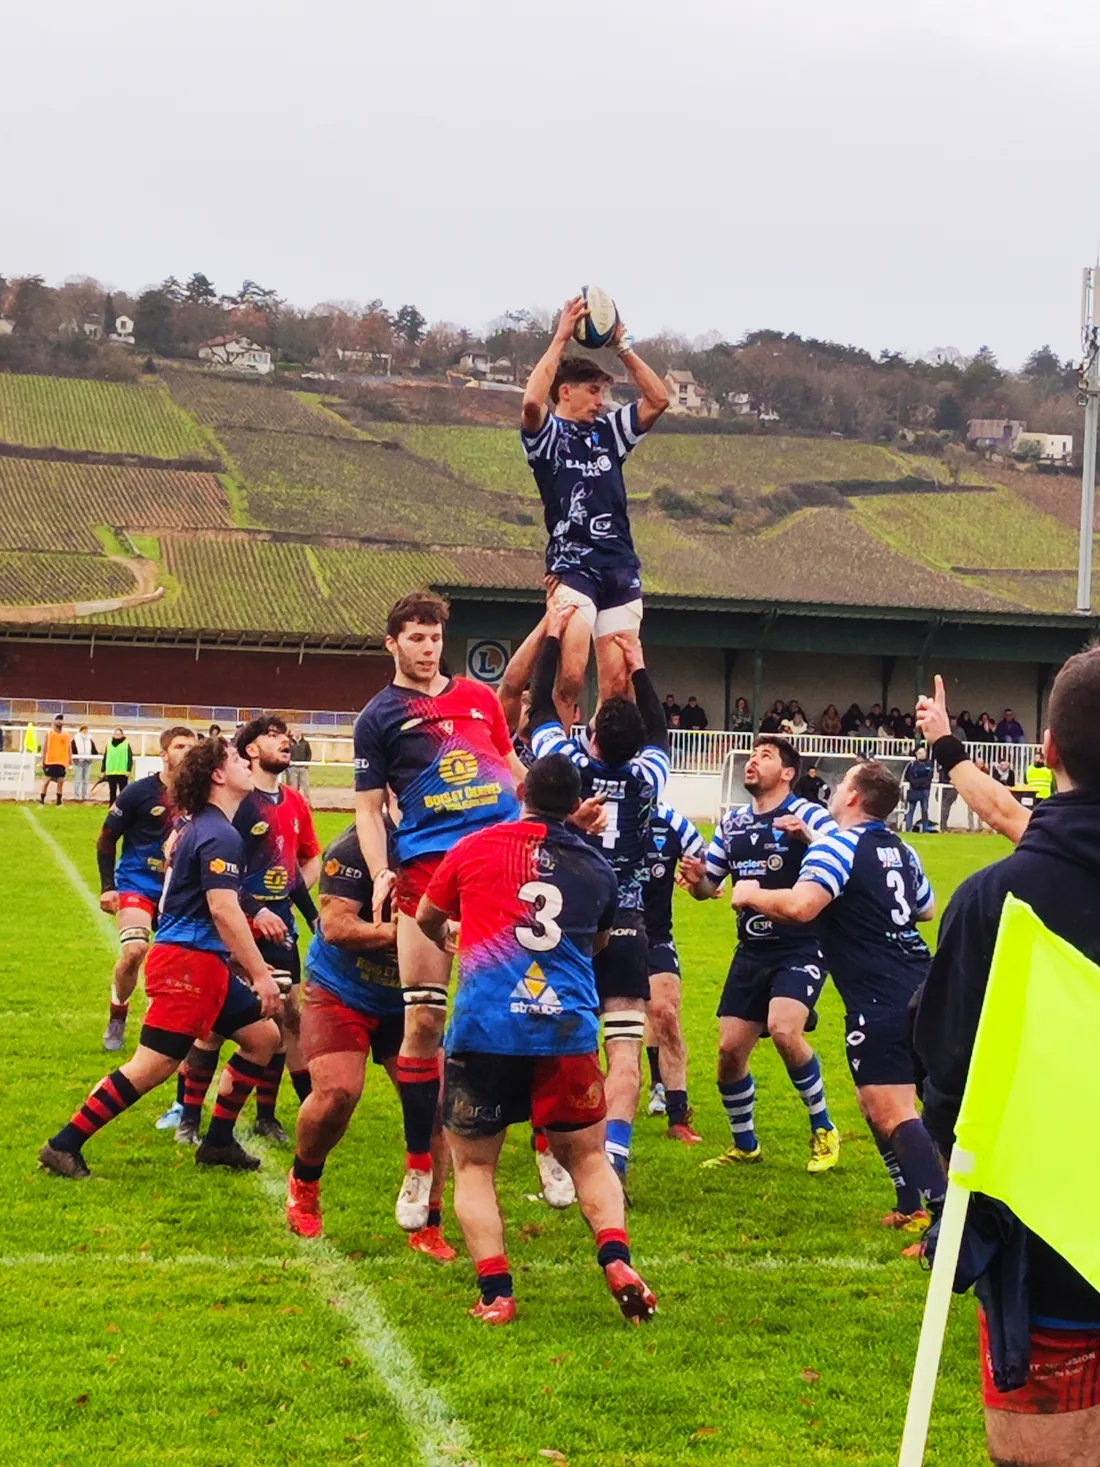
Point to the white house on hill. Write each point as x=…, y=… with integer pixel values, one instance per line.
x=1047, y=448
x=236, y=354
x=686, y=396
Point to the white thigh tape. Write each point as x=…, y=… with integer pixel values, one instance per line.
x=624, y=1024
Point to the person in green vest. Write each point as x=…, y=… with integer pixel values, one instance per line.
x=1040, y=777
x=30, y=740
x=118, y=761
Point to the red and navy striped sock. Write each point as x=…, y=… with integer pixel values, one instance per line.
x=198, y=1072
x=110, y=1098
x=242, y=1076
x=612, y=1245
x=418, y=1087
x=267, y=1088
x=494, y=1278
x=303, y=1085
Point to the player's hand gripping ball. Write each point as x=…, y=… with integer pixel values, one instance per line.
x=597, y=326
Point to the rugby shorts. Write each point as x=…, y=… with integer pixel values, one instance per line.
x=876, y=1044
x=754, y=981
x=136, y=901
x=1064, y=1374
x=610, y=600
x=662, y=957
x=55, y=771
x=186, y=989
x=622, y=968
x=412, y=882
x=483, y=1094
x=279, y=955
x=330, y=1026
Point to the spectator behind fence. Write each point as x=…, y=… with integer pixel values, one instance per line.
x=692, y=715
x=741, y=718
x=773, y=719
x=671, y=707
x=795, y=722
x=852, y=721
x=985, y=730
x=948, y=795
x=829, y=722
x=812, y=787
x=1008, y=731
x=83, y=750
x=1003, y=771
x=965, y=727
x=118, y=761
x=301, y=756
x=918, y=779
x=907, y=728
x=214, y=731
x=876, y=716
x=1040, y=777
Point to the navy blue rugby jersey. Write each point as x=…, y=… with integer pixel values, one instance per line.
x=671, y=835
x=208, y=855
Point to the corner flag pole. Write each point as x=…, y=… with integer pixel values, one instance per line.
x=1089, y=399
x=936, y=1306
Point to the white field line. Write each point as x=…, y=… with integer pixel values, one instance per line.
x=432, y=1426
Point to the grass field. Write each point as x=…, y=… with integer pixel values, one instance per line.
x=158, y=1315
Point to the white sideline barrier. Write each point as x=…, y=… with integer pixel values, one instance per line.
x=17, y=776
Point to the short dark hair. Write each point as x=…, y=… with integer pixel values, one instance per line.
x=177, y=731
x=255, y=729
x=619, y=731
x=879, y=791
x=552, y=786
x=574, y=371
x=787, y=751
x=1074, y=716
x=424, y=607
x=195, y=778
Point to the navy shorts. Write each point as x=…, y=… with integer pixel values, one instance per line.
x=281, y=957
x=613, y=586
x=754, y=981
x=876, y=1043
x=622, y=968
x=662, y=957
x=239, y=1008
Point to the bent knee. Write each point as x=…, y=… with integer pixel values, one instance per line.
x=339, y=1101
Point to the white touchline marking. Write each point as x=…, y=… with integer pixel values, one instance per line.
x=429, y=1421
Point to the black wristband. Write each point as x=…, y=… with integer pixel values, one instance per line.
x=948, y=752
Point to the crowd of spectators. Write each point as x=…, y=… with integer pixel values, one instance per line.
x=789, y=717
x=691, y=715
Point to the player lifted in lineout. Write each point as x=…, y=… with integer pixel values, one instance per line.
x=142, y=816
x=576, y=452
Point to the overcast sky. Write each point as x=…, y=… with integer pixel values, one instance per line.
x=892, y=174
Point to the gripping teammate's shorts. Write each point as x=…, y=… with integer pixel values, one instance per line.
x=134, y=901
x=240, y=1008
x=284, y=959
x=485, y=1093
x=330, y=1026
x=55, y=771
x=186, y=989
x=754, y=981
x=1064, y=1374
x=622, y=968
x=662, y=957
x=609, y=600
x=412, y=882
x=876, y=1042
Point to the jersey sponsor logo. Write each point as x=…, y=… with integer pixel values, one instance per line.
x=775, y=863
x=890, y=856
x=533, y=995
x=220, y=867
x=658, y=870
x=332, y=865
x=660, y=839
x=260, y=828
x=458, y=767
x=742, y=818
x=276, y=881
x=600, y=527
x=758, y=926
x=157, y=810
x=544, y=860
x=361, y=763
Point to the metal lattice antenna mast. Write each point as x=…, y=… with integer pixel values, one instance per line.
x=1089, y=398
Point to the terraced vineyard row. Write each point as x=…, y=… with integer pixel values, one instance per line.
x=28, y=579
x=224, y=404
x=54, y=506
x=102, y=417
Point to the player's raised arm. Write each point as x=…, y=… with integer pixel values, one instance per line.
x=518, y=674
x=993, y=804
x=645, y=694
x=654, y=395
x=547, y=733
x=542, y=375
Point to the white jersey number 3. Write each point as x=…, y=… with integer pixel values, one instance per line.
x=543, y=933
x=900, y=914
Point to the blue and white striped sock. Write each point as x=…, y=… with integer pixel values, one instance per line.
x=617, y=1144
x=738, y=1100
x=807, y=1080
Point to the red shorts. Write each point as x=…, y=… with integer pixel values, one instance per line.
x=1064, y=1374
x=133, y=901
x=185, y=988
x=332, y=1027
x=484, y=1093
x=412, y=882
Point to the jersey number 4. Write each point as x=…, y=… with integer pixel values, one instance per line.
x=542, y=933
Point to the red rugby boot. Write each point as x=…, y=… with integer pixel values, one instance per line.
x=632, y=1294
x=303, y=1207
x=432, y=1242
x=683, y=1131
x=502, y=1310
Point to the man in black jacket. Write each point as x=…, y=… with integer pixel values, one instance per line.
x=1054, y=1418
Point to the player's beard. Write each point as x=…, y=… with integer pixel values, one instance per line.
x=413, y=669
x=275, y=766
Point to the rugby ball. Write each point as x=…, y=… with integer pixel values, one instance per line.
x=597, y=328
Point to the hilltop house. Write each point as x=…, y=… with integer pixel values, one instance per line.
x=124, y=330
x=686, y=396
x=6, y=326
x=236, y=354
x=1045, y=448
x=994, y=433
x=480, y=364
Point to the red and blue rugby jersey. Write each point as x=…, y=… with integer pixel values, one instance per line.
x=530, y=896
x=207, y=856
x=445, y=758
x=143, y=816
x=277, y=830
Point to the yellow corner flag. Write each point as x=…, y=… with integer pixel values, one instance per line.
x=1031, y=1091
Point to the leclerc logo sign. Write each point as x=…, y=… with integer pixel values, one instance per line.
x=486, y=660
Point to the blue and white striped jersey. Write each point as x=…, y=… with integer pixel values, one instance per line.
x=747, y=846
x=578, y=468
x=671, y=835
x=632, y=792
x=868, y=931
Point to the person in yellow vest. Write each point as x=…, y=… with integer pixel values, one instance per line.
x=56, y=759
x=1040, y=777
x=30, y=740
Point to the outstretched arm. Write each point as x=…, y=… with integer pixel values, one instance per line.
x=543, y=711
x=542, y=375
x=517, y=676
x=654, y=394
x=645, y=694
x=993, y=804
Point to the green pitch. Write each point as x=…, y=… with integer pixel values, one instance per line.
x=158, y=1315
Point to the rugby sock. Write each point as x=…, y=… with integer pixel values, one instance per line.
x=197, y=1071
x=653, y=1055
x=303, y=1086
x=418, y=1087
x=807, y=1080
x=304, y=1171
x=267, y=1088
x=908, y=1196
x=612, y=1245
x=119, y=1010
x=435, y=1214
x=918, y=1155
x=676, y=1106
x=242, y=1076
x=738, y=1100
x=539, y=1142
x=617, y=1144
x=493, y=1278
x=110, y=1098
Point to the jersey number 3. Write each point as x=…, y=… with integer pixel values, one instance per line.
x=900, y=914
x=542, y=932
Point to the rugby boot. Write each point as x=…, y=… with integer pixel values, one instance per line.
x=114, y=1036
x=501, y=1310
x=684, y=1132
x=730, y=1156
x=631, y=1292
x=656, y=1106
x=187, y=1133
x=431, y=1242
x=557, y=1185
x=269, y=1128
x=303, y=1207
x=411, y=1210
x=233, y=1156
x=171, y=1118
x=63, y=1163
x=824, y=1150
x=907, y=1222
